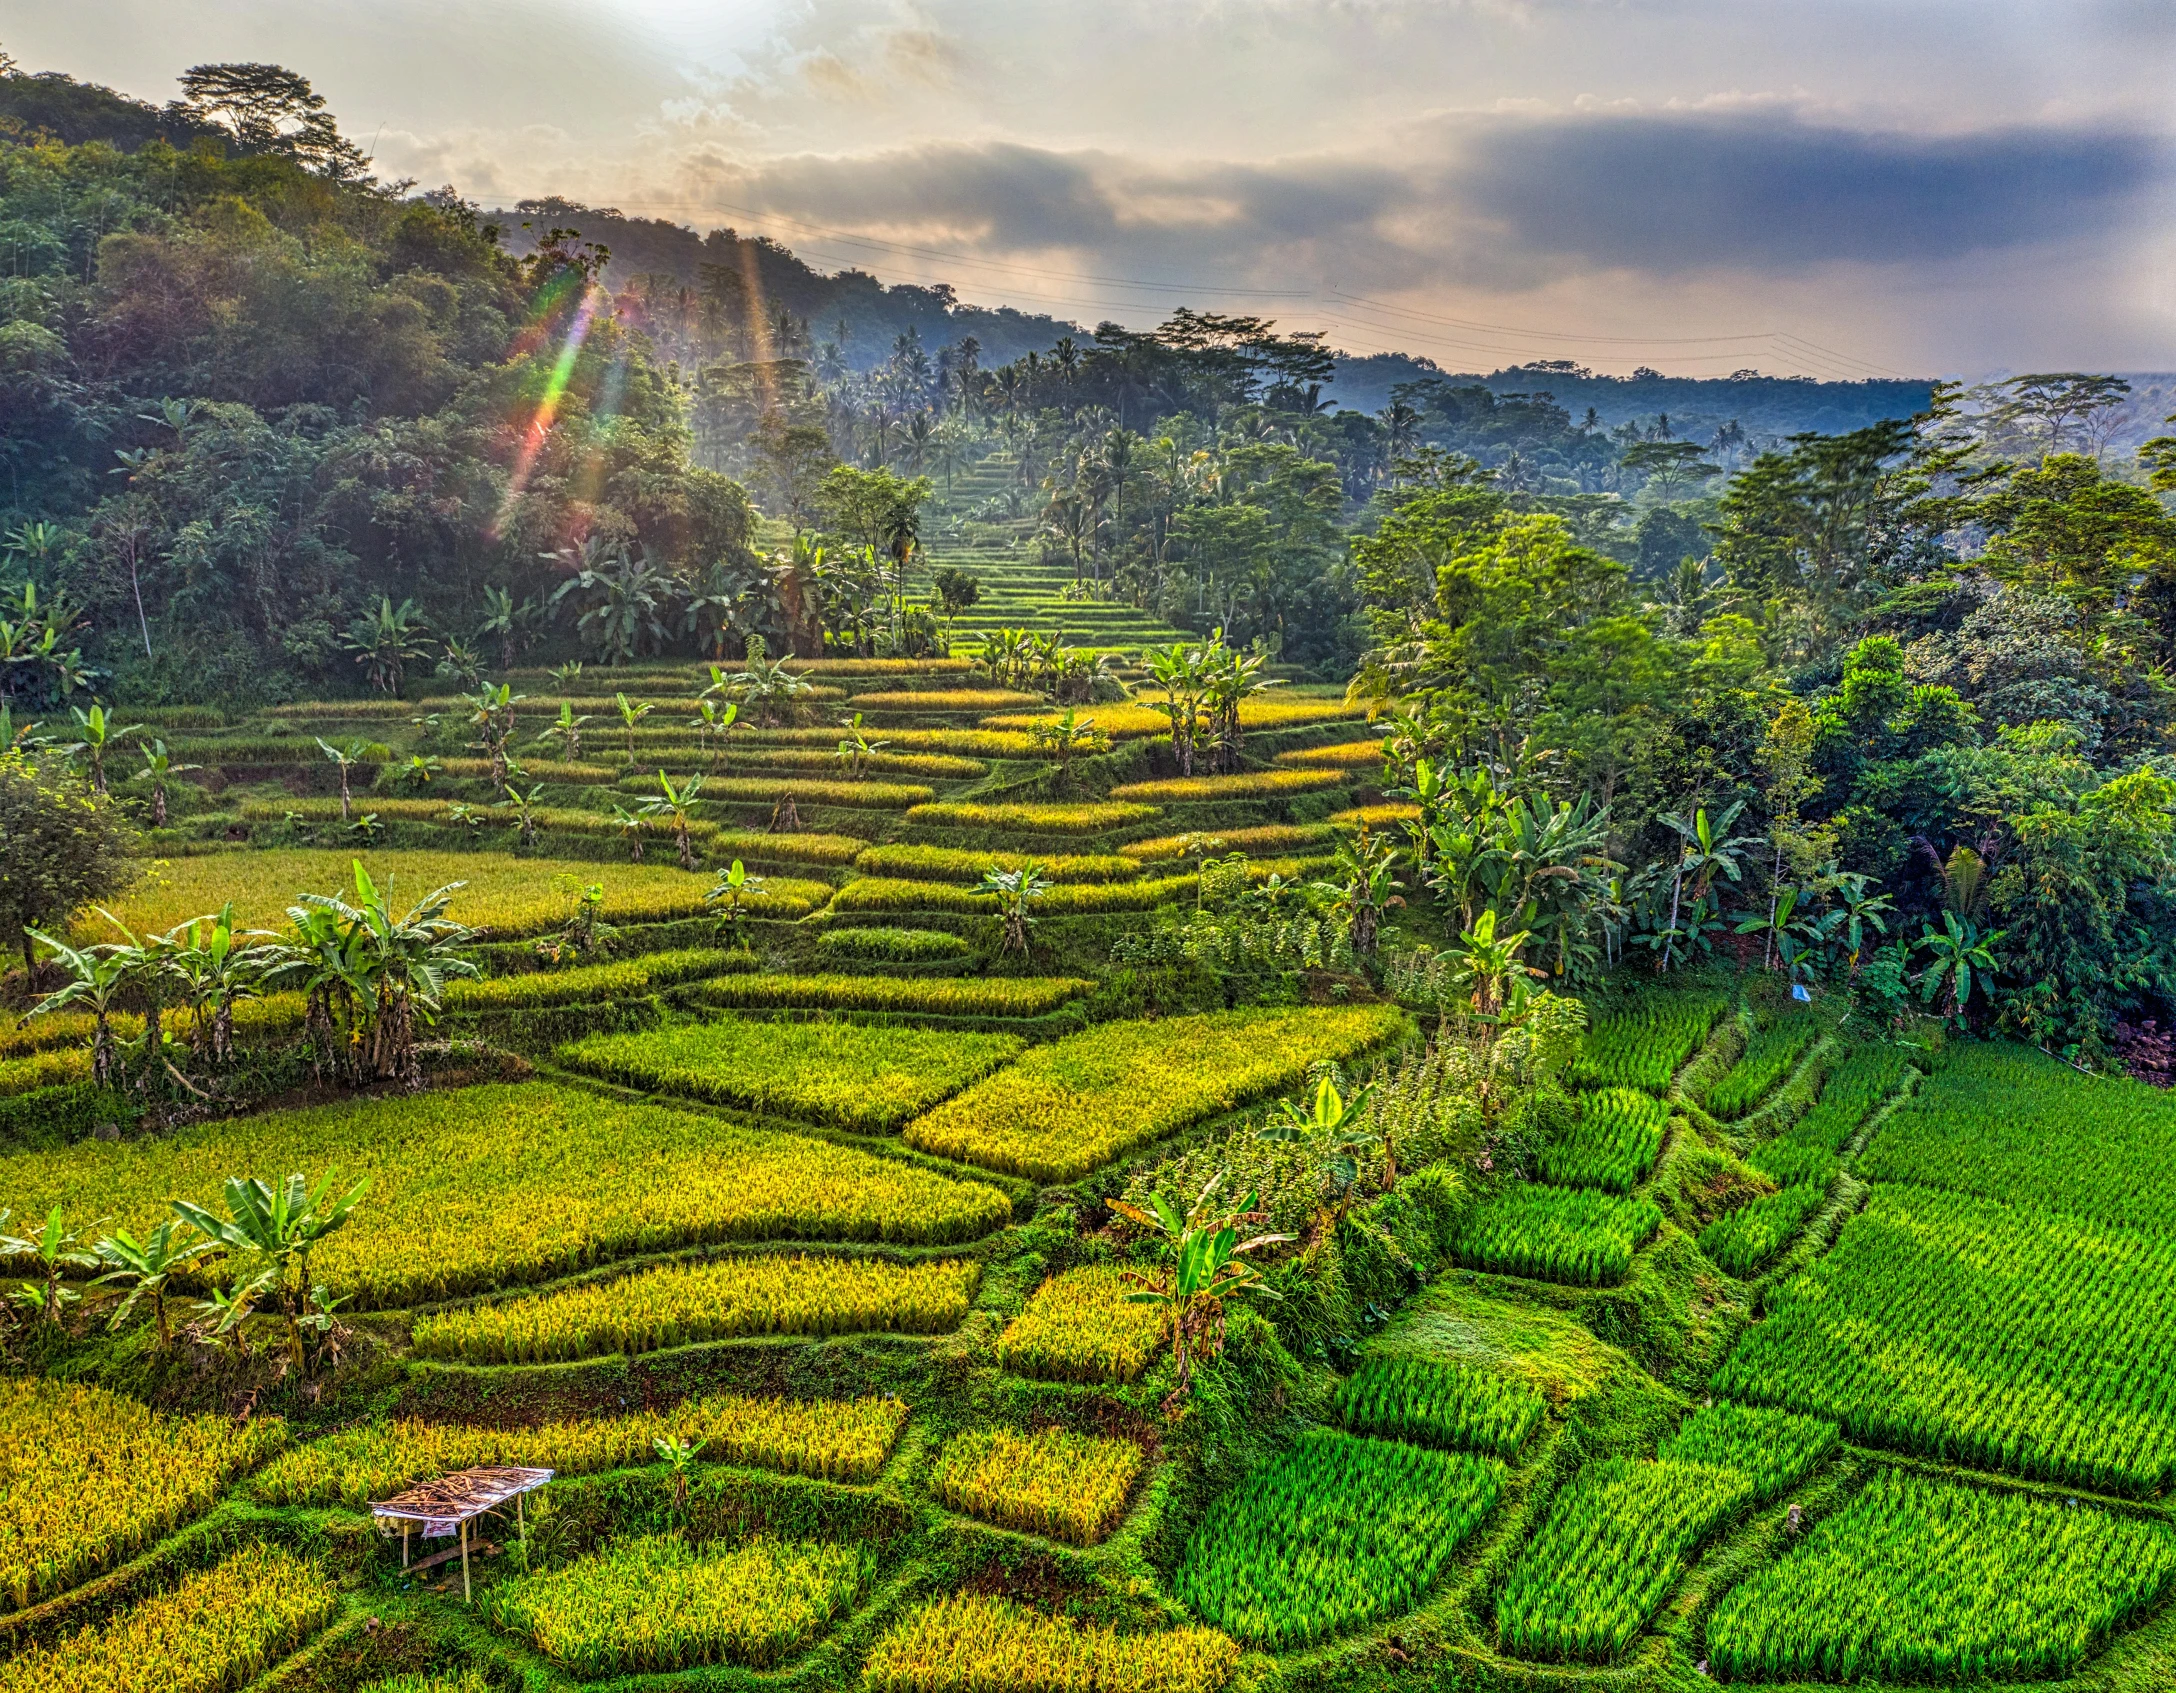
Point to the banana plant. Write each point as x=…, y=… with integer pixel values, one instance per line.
x=1487, y=965
x=97, y=977
x=524, y=807
x=159, y=766
x=567, y=731
x=420, y=772
x=730, y=893
x=1204, y=1265
x=712, y=720
x=857, y=749
x=1958, y=951
x=345, y=759
x=631, y=826
x=99, y=736
x=1016, y=891
x=271, y=1230
x=54, y=1250
x=630, y=716
x=679, y=1456
x=147, y=1268
x=217, y=966
x=674, y=806
x=1369, y=888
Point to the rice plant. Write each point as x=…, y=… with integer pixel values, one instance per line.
x=1056, y=1482
x=1767, y=1059
x=1613, y=1546
x=1613, y=1146
x=656, y=1603
x=679, y=1304
x=886, y=893
x=1643, y=1047
x=966, y=864
x=1208, y=790
x=1083, y=1326
x=1060, y=1110
x=859, y=1078
x=973, y=1644
x=590, y=983
x=942, y=996
x=1576, y=1235
x=1739, y=1242
x=1084, y=818
x=1437, y=1402
x=1923, y=1580
x=1774, y=1450
x=893, y=946
x=1329, y=1536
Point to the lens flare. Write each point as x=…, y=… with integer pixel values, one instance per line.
x=555, y=388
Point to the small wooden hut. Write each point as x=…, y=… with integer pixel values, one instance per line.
x=448, y=1505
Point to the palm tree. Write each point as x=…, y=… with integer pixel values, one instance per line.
x=675, y=804
x=98, y=735
x=1204, y=1265
x=158, y=767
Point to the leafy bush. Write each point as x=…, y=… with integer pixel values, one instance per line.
x=1334, y=1533
x=1920, y=1580
x=656, y=1603
x=1439, y=1403
x=1083, y=1326
x=92, y=1477
x=1554, y=1234
x=2007, y=1123
x=1774, y=1450
x=1069, y=1486
x=587, y=984
x=1615, y=1542
x=679, y=1304
x=1767, y=1059
x=1346, y=755
x=215, y=1629
x=1083, y=819
x=860, y=1078
x=837, y=1439
x=894, y=946
x=964, y=864
x=945, y=996
x=1207, y=790
x=1643, y=1047
x=521, y=1182
x=1614, y=1144
x=878, y=893
x=1739, y=1242
x=971, y=1644
x=1065, y=1108
x=1977, y=1333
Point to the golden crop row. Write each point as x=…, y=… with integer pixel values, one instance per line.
x=1061, y=1110
x=587, y=984
x=971, y=1644
x=88, y=1476
x=964, y=864
x=1069, y=1486
x=836, y=1439
x=1346, y=755
x=217, y=1629
x=1085, y=818
x=952, y=996
x=679, y=1304
x=1206, y=790
x=487, y=1186
x=1264, y=837
x=1081, y=1326
x=882, y=893
x=1123, y=722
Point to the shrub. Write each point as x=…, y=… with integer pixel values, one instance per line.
x=1346, y=755
x=1767, y=1059
x=1083, y=819
x=964, y=864
x=894, y=946
x=860, y=1078
x=1439, y=1403
x=1065, y=1108
x=1207, y=790
x=1614, y=1145
x=589, y=984
x=1555, y=1234
x=680, y=1304
x=215, y=1629
x=1978, y=1333
x=1615, y=1542
x=943, y=996
x=1069, y=1486
x=656, y=1603
x=1773, y=1450
x=1334, y=1533
x=1082, y=1326
x=837, y=1439
x=521, y=1182
x=972, y=1644
x=92, y=1477
x=1922, y=1580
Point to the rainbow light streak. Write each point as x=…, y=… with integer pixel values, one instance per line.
x=555, y=389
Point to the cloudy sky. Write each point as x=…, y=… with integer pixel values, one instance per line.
x=1838, y=187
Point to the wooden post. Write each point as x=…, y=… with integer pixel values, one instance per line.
x=464, y=1561
x=404, y=1543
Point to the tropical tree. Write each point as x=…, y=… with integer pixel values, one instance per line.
x=624, y=600
x=147, y=1268
x=53, y=1252
x=271, y=1230
x=420, y=771
x=159, y=767
x=730, y=894
x=99, y=735
x=1204, y=1266
x=1486, y=963
x=1181, y=673
x=1955, y=952
x=491, y=715
x=385, y=641
x=630, y=717
x=673, y=805
x=344, y=759
x=514, y=626
x=1863, y=910
x=1367, y=887
x=857, y=749
x=1704, y=853
x=1016, y=891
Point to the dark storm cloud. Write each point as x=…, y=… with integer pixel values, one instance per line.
x=1766, y=191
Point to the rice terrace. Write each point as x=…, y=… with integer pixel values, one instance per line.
x=718, y=976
